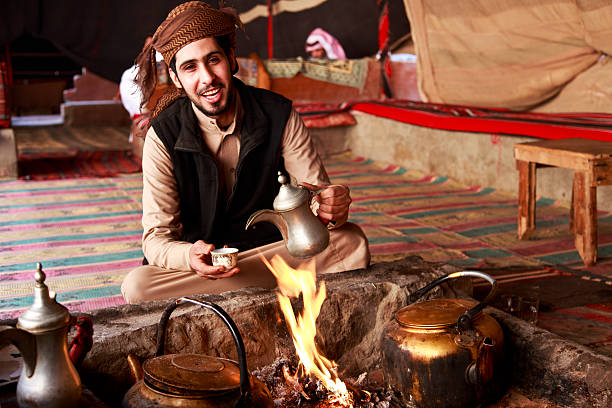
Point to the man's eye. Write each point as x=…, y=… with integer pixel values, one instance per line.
x=214, y=60
x=188, y=67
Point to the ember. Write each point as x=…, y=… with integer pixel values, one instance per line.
x=303, y=391
x=313, y=381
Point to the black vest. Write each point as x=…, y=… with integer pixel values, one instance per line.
x=205, y=212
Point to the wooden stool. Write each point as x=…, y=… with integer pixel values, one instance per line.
x=591, y=161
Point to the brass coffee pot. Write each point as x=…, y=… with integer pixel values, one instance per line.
x=48, y=378
x=304, y=234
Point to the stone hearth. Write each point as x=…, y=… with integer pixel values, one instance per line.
x=358, y=306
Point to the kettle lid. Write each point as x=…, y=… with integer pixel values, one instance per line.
x=289, y=197
x=45, y=314
x=433, y=314
x=192, y=374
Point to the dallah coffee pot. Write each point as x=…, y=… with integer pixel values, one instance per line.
x=304, y=234
x=48, y=378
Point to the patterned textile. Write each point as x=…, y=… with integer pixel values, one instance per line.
x=342, y=72
x=57, y=152
x=86, y=233
x=321, y=115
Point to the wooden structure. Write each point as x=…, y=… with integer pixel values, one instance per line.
x=591, y=161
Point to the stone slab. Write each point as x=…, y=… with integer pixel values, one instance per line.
x=358, y=306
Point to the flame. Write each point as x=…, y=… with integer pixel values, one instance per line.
x=292, y=283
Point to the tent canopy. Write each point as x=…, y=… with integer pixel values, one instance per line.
x=106, y=35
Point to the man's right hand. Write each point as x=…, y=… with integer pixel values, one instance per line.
x=200, y=262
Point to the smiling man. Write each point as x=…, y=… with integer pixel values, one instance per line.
x=210, y=160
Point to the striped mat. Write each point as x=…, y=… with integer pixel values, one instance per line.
x=64, y=152
x=86, y=232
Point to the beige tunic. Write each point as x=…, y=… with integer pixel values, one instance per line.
x=160, y=201
x=169, y=273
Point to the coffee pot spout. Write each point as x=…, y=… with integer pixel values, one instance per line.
x=271, y=217
x=25, y=342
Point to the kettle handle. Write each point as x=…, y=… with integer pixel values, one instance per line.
x=245, y=385
x=465, y=320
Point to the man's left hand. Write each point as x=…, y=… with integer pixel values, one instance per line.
x=334, y=202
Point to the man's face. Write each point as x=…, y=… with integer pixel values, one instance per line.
x=318, y=53
x=204, y=72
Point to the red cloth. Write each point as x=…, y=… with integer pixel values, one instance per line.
x=596, y=126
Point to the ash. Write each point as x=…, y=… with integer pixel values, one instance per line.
x=368, y=389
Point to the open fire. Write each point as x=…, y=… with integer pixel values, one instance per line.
x=312, y=364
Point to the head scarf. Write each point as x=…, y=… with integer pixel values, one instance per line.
x=320, y=38
x=186, y=23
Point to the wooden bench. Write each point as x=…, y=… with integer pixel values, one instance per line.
x=591, y=161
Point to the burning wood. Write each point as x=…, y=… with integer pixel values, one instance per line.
x=314, y=381
x=290, y=390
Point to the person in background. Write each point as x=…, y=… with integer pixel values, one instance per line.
x=131, y=97
x=210, y=160
x=321, y=44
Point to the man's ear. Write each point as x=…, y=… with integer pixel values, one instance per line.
x=233, y=62
x=175, y=79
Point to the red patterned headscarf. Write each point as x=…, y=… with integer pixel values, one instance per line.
x=186, y=23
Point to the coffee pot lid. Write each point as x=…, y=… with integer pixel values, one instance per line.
x=289, y=197
x=192, y=374
x=433, y=314
x=45, y=314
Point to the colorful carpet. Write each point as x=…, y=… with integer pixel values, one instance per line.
x=86, y=233
x=64, y=152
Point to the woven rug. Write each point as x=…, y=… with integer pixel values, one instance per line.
x=63, y=152
x=86, y=233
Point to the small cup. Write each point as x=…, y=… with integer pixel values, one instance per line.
x=227, y=257
x=511, y=303
x=529, y=309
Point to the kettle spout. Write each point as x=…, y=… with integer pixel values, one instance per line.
x=24, y=341
x=269, y=216
x=135, y=368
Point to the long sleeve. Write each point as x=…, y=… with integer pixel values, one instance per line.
x=161, y=222
x=301, y=158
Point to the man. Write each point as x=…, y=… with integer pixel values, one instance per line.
x=321, y=44
x=211, y=159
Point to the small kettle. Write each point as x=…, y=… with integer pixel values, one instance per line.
x=48, y=378
x=195, y=380
x=304, y=234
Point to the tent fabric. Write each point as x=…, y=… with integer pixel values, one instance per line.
x=512, y=54
x=105, y=36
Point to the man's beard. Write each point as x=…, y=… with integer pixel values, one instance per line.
x=217, y=105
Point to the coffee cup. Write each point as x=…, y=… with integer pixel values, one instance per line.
x=227, y=257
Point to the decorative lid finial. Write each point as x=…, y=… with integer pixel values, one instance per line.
x=39, y=276
x=282, y=178
x=45, y=314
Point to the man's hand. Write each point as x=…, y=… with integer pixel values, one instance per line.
x=200, y=262
x=334, y=202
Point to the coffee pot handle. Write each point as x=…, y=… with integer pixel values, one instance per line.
x=245, y=386
x=465, y=320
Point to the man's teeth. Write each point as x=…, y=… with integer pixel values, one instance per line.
x=211, y=92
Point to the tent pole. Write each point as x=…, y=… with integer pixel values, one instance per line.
x=270, y=31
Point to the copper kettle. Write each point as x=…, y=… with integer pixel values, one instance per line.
x=195, y=380
x=304, y=234
x=444, y=353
